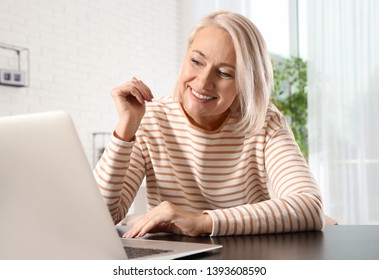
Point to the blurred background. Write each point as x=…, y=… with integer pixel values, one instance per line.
x=68, y=55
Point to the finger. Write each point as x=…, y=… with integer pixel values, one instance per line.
x=126, y=89
x=134, y=92
x=144, y=89
x=123, y=89
x=135, y=230
x=158, y=216
x=131, y=233
x=147, y=90
x=149, y=227
x=146, y=225
x=127, y=234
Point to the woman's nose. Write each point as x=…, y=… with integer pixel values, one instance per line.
x=205, y=79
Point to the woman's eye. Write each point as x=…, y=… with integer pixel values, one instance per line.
x=194, y=61
x=224, y=74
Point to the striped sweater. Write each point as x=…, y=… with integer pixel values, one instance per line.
x=247, y=183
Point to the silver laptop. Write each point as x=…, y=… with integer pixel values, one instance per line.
x=50, y=206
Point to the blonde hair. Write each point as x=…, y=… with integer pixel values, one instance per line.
x=254, y=76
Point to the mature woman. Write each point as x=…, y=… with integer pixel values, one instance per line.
x=218, y=158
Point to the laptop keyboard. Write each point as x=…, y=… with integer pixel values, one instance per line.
x=134, y=252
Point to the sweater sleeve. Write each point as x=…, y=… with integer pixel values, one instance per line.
x=119, y=174
x=296, y=201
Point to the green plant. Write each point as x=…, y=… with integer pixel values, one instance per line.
x=290, y=97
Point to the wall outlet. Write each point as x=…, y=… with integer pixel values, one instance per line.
x=12, y=78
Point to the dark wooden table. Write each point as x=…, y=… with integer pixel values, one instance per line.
x=341, y=242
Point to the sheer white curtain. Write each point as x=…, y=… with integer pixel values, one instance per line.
x=343, y=57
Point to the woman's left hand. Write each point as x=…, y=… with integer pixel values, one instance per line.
x=167, y=217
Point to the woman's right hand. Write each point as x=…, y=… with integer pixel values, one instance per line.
x=129, y=99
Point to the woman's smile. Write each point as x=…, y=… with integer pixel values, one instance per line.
x=201, y=96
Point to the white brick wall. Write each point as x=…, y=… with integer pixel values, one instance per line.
x=80, y=49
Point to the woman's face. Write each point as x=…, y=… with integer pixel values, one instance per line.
x=207, y=82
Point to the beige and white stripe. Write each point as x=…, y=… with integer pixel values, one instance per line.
x=248, y=184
